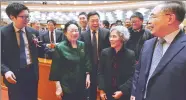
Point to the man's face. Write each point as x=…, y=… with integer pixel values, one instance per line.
x=51, y=26
x=36, y=25
x=136, y=23
x=159, y=22
x=127, y=23
x=82, y=20
x=94, y=22
x=21, y=20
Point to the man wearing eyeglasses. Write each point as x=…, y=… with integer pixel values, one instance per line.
x=138, y=34
x=162, y=66
x=19, y=63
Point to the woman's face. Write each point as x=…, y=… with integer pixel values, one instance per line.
x=72, y=33
x=115, y=39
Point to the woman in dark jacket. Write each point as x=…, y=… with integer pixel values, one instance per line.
x=116, y=67
x=70, y=66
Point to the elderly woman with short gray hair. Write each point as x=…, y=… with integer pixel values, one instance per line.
x=116, y=67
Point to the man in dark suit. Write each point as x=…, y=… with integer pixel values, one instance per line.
x=51, y=36
x=162, y=67
x=19, y=63
x=95, y=39
x=82, y=22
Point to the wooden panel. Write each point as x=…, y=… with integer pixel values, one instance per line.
x=46, y=88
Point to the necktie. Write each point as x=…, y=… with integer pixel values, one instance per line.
x=23, y=61
x=157, y=55
x=52, y=37
x=94, y=46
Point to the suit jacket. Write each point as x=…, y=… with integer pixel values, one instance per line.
x=69, y=66
x=10, y=50
x=103, y=41
x=169, y=78
x=46, y=39
x=124, y=60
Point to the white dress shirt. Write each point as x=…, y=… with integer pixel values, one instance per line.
x=169, y=38
x=54, y=35
x=27, y=50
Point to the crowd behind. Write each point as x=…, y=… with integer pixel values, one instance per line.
x=92, y=57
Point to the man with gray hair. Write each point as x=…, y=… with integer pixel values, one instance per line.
x=161, y=72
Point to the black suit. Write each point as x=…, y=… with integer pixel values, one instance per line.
x=27, y=78
x=118, y=66
x=103, y=42
x=169, y=78
x=46, y=39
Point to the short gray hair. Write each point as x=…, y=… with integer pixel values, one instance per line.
x=122, y=32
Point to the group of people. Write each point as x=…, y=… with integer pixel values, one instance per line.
x=122, y=63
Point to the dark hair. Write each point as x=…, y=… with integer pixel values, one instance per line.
x=91, y=14
x=119, y=22
x=176, y=7
x=82, y=13
x=106, y=23
x=15, y=8
x=137, y=14
x=51, y=21
x=69, y=23
x=112, y=24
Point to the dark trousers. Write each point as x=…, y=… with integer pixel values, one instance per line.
x=94, y=84
x=74, y=96
x=26, y=87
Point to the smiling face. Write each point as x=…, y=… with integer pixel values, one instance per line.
x=115, y=40
x=159, y=22
x=72, y=33
x=136, y=23
x=94, y=22
x=83, y=21
x=21, y=20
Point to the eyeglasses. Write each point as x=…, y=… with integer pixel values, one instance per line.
x=155, y=16
x=24, y=17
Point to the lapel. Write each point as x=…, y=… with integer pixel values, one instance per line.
x=30, y=39
x=57, y=36
x=100, y=36
x=29, y=35
x=13, y=39
x=174, y=48
x=88, y=38
x=148, y=53
x=47, y=38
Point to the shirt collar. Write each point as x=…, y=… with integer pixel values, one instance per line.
x=92, y=31
x=16, y=29
x=51, y=31
x=170, y=37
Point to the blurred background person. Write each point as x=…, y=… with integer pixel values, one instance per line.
x=71, y=65
x=95, y=39
x=82, y=21
x=148, y=25
x=127, y=23
x=36, y=25
x=116, y=67
x=119, y=22
x=51, y=38
x=105, y=24
x=138, y=34
x=112, y=25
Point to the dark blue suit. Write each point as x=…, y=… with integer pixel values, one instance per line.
x=27, y=78
x=168, y=82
